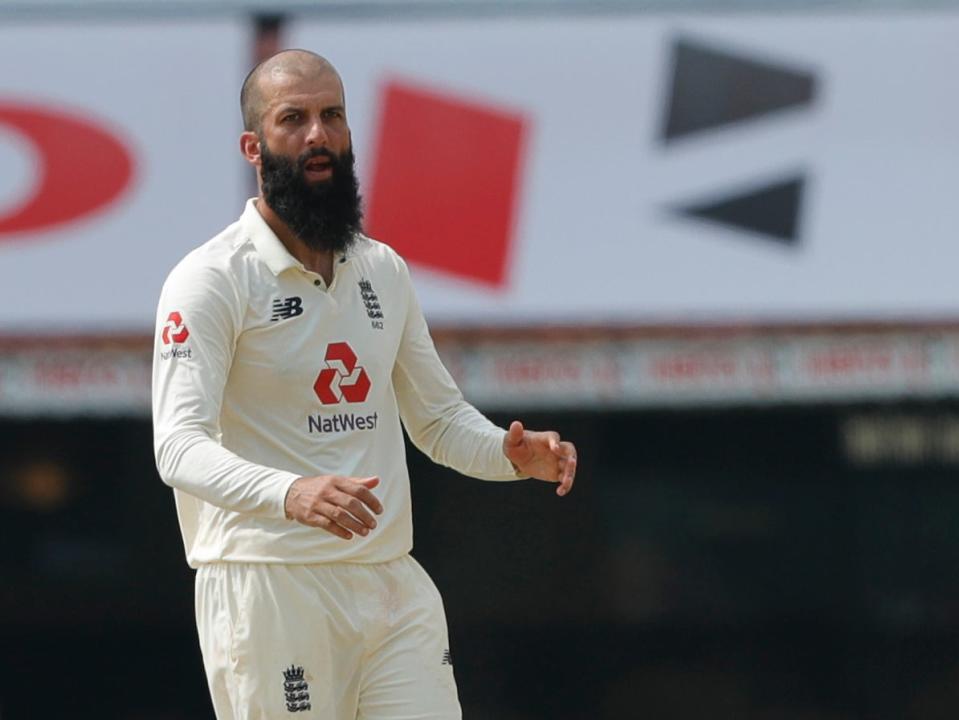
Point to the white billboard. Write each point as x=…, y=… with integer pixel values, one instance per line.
x=651, y=169
x=118, y=153
x=624, y=169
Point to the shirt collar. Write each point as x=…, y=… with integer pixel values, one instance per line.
x=267, y=244
x=272, y=251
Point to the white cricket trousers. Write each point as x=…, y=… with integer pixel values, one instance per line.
x=338, y=642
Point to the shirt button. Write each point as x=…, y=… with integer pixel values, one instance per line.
x=317, y=282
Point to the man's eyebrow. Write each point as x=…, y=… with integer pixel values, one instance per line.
x=299, y=107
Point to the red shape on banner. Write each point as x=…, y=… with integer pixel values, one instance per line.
x=83, y=166
x=446, y=181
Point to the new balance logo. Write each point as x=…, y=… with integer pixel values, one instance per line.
x=285, y=308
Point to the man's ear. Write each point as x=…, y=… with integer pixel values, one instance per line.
x=250, y=147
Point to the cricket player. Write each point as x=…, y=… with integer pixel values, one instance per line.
x=289, y=350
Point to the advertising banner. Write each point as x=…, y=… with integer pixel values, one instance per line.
x=604, y=371
x=660, y=168
x=118, y=153
x=636, y=170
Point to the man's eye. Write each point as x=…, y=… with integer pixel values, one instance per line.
x=289, y=117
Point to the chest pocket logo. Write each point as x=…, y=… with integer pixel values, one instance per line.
x=285, y=308
x=372, y=304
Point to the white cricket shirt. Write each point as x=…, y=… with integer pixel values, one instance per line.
x=262, y=374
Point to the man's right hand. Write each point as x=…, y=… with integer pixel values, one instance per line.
x=339, y=505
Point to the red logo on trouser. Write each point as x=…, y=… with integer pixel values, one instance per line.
x=174, y=330
x=342, y=379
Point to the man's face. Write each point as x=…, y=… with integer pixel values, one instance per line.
x=302, y=113
x=306, y=162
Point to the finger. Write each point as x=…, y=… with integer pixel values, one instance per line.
x=356, y=508
x=564, y=449
x=361, y=491
x=342, y=517
x=323, y=522
x=568, y=476
x=514, y=436
x=558, y=448
x=552, y=438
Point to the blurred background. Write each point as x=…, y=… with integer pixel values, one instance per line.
x=711, y=241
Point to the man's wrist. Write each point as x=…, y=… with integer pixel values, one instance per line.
x=286, y=499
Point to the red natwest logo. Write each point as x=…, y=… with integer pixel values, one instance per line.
x=174, y=330
x=342, y=379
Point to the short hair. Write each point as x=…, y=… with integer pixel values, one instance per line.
x=251, y=100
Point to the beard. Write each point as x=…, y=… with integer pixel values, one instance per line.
x=324, y=215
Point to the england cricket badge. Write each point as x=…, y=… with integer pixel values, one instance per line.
x=372, y=304
x=296, y=689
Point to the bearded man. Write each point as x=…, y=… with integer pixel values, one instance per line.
x=289, y=350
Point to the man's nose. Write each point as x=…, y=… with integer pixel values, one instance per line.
x=317, y=135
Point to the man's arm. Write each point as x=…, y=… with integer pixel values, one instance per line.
x=198, y=320
x=454, y=433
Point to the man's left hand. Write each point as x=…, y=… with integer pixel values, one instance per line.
x=541, y=455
